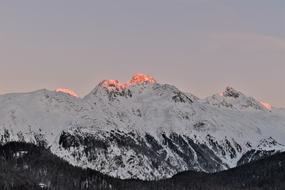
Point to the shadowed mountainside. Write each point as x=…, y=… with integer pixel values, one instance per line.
x=24, y=166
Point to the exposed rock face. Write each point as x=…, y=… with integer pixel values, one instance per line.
x=130, y=155
x=231, y=92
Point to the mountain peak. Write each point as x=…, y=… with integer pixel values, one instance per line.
x=137, y=79
x=142, y=78
x=231, y=92
x=232, y=98
x=111, y=84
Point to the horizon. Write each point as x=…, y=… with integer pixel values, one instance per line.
x=198, y=46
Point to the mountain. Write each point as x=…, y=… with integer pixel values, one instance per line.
x=232, y=98
x=143, y=129
x=25, y=166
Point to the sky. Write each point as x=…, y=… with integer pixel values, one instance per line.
x=200, y=46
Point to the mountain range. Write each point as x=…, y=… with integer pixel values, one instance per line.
x=143, y=129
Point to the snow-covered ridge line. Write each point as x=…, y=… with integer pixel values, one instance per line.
x=145, y=129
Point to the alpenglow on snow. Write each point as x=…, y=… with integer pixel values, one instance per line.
x=143, y=129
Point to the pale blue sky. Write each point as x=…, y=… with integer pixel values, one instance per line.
x=200, y=46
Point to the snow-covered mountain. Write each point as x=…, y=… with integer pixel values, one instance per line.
x=144, y=129
x=232, y=98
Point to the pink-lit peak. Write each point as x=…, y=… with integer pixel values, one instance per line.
x=266, y=105
x=67, y=91
x=135, y=80
x=142, y=78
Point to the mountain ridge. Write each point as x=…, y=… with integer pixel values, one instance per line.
x=146, y=130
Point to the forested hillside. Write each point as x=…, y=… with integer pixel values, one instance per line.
x=28, y=167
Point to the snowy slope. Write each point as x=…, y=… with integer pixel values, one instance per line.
x=232, y=98
x=143, y=129
x=40, y=113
